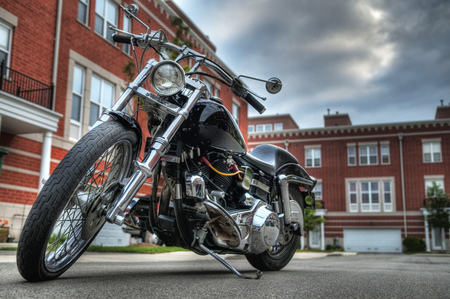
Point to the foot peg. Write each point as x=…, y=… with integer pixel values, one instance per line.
x=200, y=236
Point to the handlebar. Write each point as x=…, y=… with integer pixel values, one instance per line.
x=255, y=103
x=124, y=39
x=158, y=38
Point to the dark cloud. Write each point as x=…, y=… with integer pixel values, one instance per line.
x=380, y=61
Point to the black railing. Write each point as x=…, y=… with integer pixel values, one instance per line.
x=25, y=87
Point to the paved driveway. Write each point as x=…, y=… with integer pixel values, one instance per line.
x=186, y=275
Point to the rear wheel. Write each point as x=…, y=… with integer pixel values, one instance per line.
x=68, y=212
x=279, y=255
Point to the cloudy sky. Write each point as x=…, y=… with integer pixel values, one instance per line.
x=379, y=61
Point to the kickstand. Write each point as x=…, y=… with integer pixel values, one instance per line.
x=200, y=236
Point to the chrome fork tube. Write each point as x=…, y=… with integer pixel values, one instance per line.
x=145, y=168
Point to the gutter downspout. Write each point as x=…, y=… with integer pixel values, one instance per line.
x=400, y=138
x=56, y=50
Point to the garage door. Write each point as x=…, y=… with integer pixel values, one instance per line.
x=373, y=240
x=112, y=235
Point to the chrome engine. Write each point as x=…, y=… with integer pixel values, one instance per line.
x=254, y=229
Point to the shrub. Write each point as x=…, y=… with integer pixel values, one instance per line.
x=414, y=244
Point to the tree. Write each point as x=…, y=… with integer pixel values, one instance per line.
x=311, y=222
x=437, y=204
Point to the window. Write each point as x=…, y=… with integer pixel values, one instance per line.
x=236, y=111
x=209, y=85
x=83, y=6
x=313, y=157
x=217, y=92
x=353, y=197
x=318, y=190
x=102, y=95
x=370, y=195
x=351, y=155
x=385, y=157
x=251, y=129
x=278, y=127
x=368, y=155
x=106, y=12
x=431, y=151
x=268, y=127
x=314, y=238
x=77, y=102
x=259, y=128
x=387, y=196
x=5, y=44
x=126, y=48
x=438, y=180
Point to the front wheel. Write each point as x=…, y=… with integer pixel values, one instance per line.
x=68, y=212
x=279, y=255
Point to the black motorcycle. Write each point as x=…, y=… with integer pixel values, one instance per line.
x=216, y=197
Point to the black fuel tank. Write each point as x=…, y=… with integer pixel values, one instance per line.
x=210, y=124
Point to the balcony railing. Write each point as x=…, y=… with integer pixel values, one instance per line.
x=25, y=87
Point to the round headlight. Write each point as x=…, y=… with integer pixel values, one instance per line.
x=167, y=78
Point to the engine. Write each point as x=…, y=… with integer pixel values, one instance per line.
x=234, y=200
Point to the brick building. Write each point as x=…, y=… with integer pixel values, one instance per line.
x=60, y=71
x=372, y=179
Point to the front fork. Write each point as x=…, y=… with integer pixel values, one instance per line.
x=160, y=146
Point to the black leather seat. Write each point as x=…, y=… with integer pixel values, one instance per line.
x=269, y=158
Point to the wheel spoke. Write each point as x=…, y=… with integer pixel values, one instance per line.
x=66, y=239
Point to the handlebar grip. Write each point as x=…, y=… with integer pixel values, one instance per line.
x=255, y=103
x=124, y=39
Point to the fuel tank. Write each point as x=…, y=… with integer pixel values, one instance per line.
x=211, y=125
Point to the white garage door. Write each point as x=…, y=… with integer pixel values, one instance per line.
x=373, y=240
x=112, y=235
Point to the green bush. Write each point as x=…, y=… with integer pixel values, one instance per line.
x=413, y=244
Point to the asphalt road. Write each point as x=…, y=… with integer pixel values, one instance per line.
x=186, y=275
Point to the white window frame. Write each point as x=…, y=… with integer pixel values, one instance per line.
x=351, y=147
x=236, y=110
x=314, y=238
x=126, y=48
x=7, y=50
x=74, y=124
x=365, y=152
x=259, y=128
x=103, y=17
x=101, y=103
x=278, y=127
x=251, y=128
x=385, y=153
x=84, y=3
x=313, y=153
x=268, y=128
x=382, y=206
x=429, y=179
x=318, y=190
x=435, y=148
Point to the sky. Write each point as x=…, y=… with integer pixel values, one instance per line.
x=380, y=61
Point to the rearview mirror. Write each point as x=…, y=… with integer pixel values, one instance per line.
x=132, y=9
x=273, y=85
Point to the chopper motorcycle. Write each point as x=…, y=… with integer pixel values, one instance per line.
x=215, y=197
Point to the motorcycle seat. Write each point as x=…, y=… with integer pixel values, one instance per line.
x=269, y=158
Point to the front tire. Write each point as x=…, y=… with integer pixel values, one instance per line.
x=277, y=257
x=67, y=214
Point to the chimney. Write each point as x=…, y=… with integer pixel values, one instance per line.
x=337, y=119
x=442, y=111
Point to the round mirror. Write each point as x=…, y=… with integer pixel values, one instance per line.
x=133, y=9
x=274, y=85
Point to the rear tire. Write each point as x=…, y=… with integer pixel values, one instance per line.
x=277, y=257
x=67, y=214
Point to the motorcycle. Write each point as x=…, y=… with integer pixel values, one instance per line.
x=215, y=199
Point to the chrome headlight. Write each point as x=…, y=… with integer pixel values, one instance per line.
x=167, y=78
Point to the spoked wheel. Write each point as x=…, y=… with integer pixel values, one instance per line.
x=68, y=212
x=279, y=255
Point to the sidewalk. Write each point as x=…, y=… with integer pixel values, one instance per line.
x=102, y=257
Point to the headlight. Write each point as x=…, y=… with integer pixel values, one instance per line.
x=167, y=78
